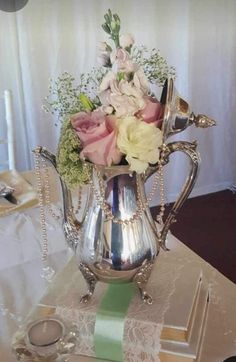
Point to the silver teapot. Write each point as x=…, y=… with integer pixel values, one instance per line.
x=117, y=240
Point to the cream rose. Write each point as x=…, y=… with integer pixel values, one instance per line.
x=139, y=141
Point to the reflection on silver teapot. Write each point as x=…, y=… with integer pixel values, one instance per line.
x=117, y=240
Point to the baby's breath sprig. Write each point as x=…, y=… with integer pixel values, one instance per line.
x=64, y=96
x=155, y=67
x=90, y=82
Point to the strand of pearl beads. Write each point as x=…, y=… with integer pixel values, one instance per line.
x=48, y=201
x=47, y=271
x=47, y=189
x=160, y=215
x=162, y=193
x=79, y=201
x=100, y=197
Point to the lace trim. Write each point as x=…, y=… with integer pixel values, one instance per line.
x=143, y=324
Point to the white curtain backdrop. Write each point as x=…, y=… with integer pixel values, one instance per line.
x=48, y=37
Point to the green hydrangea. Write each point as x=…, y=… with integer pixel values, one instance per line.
x=69, y=164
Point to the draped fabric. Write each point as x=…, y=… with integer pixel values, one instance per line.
x=48, y=37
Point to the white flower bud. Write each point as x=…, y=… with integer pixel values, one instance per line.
x=126, y=40
x=104, y=59
x=102, y=46
x=107, y=109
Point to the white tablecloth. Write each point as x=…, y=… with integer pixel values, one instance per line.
x=20, y=237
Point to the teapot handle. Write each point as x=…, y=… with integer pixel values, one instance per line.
x=189, y=148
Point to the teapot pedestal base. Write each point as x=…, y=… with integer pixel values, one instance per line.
x=91, y=281
x=140, y=279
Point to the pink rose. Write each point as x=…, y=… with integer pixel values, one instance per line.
x=98, y=135
x=86, y=125
x=153, y=112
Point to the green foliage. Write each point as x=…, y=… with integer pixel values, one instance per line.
x=69, y=165
x=112, y=26
x=85, y=101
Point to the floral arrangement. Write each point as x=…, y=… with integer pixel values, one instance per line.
x=111, y=117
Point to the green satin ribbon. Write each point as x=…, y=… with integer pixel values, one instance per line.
x=109, y=326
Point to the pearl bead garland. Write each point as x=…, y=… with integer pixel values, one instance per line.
x=44, y=196
x=79, y=201
x=47, y=189
x=100, y=197
x=42, y=173
x=44, y=199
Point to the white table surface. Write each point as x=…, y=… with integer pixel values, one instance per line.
x=21, y=287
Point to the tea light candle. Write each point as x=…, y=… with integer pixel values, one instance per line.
x=44, y=333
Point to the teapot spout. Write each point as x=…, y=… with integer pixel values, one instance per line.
x=43, y=152
x=71, y=226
